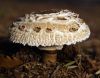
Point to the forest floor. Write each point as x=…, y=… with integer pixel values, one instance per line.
x=75, y=61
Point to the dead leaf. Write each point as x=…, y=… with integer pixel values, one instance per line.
x=8, y=62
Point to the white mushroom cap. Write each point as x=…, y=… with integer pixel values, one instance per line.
x=53, y=29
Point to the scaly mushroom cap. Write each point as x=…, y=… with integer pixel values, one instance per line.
x=53, y=29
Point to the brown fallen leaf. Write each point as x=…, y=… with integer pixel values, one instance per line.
x=8, y=62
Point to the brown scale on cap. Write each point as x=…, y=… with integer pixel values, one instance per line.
x=48, y=30
x=61, y=18
x=22, y=27
x=37, y=29
x=74, y=27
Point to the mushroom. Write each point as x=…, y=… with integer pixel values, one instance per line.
x=49, y=32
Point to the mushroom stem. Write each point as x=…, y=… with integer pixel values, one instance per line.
x=50, y=54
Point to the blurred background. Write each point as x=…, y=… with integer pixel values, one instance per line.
x=10, y=10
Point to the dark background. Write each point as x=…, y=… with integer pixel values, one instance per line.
x=89, y=10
